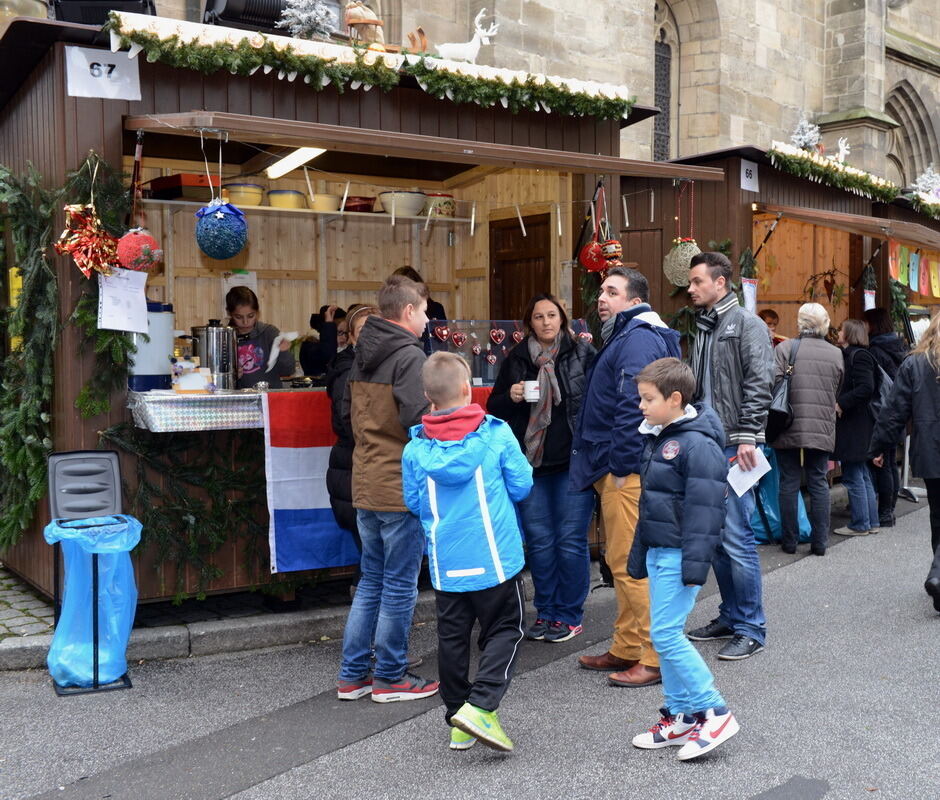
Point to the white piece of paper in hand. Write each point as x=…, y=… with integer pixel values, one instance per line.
x=741, y=481
x=276, y=347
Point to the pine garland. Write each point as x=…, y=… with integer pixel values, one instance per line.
x=830, y=172
x=27, y=372
x=195, y=492
x=923, y=205
x=113, y=349
x=255, y=52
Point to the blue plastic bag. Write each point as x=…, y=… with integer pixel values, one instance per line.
x=71, y=659
x=769, y=498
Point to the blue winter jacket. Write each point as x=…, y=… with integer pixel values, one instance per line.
x=463, y=492
x=685, y=480
x=607, y=440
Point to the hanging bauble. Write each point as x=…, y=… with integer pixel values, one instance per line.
x=86, y=240
x=221, y=230
x=676, y=262
x=612, y=250
x=592, y=257
x=138, y=250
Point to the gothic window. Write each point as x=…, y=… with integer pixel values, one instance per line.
x=666, y=83
x=915, y=140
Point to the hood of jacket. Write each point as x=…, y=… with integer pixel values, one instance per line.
x=452, y=463
x=699, y=418
x=891, y=345
x=453, y=424
x=378, y=339
x=643, y=314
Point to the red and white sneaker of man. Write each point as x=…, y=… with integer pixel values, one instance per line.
x=715, y=726
x=668, y=732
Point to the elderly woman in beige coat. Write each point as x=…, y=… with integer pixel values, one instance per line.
x=817, y=375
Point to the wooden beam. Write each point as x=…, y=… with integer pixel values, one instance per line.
x=471, y=176
x=292, y=133
x=470, y=274
x=374, y=286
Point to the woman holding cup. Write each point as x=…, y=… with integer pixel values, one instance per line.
x=538, y=392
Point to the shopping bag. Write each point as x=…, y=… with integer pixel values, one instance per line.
x=765, y=521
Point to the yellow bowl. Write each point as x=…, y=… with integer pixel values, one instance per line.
x=286, y=198
x=325, y=202
x=244, y=194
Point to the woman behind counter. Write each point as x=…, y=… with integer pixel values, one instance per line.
x=254, y=341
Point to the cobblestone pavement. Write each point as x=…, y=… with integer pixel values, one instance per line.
x=23, y=611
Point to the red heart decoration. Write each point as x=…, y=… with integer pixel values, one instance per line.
x=459, y=338
x=497, y=335
x=476, y=349
x=442, y=332
x=518, y=336
x=587, y=336
x=491, y=357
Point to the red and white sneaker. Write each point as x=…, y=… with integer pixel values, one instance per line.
x=715, y=726
x=353, y=690
x=669, y=731
x=408, y=687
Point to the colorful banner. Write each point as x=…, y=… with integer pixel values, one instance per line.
x=302, y=533
x=894, y=258
x=913, y=271
x=903, y=262
x=923, y=281
x=935, y=276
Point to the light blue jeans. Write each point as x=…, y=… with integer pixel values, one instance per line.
x=688, y=684
x=737, y=568
x=863, y=502
x=381, y=613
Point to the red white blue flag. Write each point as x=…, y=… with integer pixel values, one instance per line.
x=303, y=533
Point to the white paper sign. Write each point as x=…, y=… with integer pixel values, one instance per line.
x=869, y=299
x=749, y=182
x=122, y=301
x=101, y=73
x=741, y=481
x=749, y=287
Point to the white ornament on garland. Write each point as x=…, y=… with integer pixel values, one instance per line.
x=844, y=150
x=308, y=19
x=806, y=135
x=928, y=184
x=468, y=51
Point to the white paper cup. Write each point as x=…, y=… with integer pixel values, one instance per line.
x=530, y=391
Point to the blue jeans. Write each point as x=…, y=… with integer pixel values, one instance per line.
x=863, y=503
x=392, y=549
x=737, y=568
x=688, y=684
x=555, y=522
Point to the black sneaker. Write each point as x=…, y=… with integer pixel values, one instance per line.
x=740, y=647
x=713, y=630
x=537, y=630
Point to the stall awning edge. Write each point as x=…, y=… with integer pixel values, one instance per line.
x=293, y=133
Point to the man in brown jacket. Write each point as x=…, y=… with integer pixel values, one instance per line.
x=384, y=397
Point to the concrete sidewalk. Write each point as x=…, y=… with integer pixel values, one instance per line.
x=232, y=623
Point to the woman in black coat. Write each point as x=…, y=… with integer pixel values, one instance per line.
x=915, y=398
x=554, y=518
x=854, y=428
x=889, y=350
x=339, y=472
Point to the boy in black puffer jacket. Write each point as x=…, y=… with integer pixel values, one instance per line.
x=682, y=510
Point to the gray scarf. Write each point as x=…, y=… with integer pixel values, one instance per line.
x=607, y=328
x=540, y=415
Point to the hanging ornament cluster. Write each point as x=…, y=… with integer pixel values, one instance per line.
x=138, y=250
x=88, y=243
x=676, y=262
x=594, y=255
x=221, y=230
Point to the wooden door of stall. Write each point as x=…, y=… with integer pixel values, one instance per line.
x=520, y=266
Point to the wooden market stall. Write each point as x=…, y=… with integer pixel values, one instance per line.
x=816, y=229
x=499, y=163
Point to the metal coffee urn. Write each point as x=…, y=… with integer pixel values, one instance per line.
x=215, y=347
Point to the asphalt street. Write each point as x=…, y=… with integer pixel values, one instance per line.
x=839, y=705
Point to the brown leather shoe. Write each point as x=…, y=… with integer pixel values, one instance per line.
x=637, y=675
x=605, y=663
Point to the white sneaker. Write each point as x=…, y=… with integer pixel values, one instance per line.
x=847, y=531
x=667, y=732
x=715, y=726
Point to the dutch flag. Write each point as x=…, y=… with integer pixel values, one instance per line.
x=303, y=533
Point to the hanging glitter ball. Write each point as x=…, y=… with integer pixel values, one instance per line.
x=138, y=250
x=85, y=239
x=221, y=230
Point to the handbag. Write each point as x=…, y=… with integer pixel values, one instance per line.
x=780, y=414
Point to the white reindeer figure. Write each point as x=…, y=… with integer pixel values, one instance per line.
x=468, y=51
x=844, y=150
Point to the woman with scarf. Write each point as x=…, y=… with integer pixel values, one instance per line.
x=554, y=519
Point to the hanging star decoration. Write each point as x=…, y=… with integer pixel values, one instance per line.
x=91, y=247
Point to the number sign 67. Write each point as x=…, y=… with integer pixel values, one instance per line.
x=101, y=70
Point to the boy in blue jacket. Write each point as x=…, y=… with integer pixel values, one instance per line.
x=461, y=473
x=682, y=510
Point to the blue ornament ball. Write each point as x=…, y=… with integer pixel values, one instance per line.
x=221, y=230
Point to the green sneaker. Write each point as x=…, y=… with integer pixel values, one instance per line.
x=484, y=725
x=459, y=740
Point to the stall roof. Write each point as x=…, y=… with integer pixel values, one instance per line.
x=292, y=133
x=747, y=151
x=875, y=227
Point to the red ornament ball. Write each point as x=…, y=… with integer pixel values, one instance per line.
x=138, y=250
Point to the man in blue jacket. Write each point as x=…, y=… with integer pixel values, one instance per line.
x=606, y=453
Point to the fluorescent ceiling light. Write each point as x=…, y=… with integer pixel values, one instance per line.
x=294, y=160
